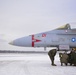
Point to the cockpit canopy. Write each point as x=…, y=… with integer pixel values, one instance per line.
x=67, y=26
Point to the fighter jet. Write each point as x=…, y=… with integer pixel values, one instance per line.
x=63, y=38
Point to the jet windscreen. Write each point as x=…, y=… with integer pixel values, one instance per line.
x=67, y=26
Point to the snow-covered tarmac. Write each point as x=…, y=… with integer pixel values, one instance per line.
x=32, y=64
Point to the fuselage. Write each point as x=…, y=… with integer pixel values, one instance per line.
x=54, y=38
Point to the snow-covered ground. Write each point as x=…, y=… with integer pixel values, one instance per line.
x=32, y=64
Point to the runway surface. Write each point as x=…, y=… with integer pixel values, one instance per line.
x=32, y=64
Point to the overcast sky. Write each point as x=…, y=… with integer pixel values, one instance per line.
x=24, y=17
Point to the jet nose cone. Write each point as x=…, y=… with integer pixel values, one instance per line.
x=24, y=42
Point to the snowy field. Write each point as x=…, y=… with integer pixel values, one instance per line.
x=32, y=64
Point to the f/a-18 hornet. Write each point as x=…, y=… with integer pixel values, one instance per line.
x=63, y=38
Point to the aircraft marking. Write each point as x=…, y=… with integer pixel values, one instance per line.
x=43, y=35
x=34, y=40
x=73, y=39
